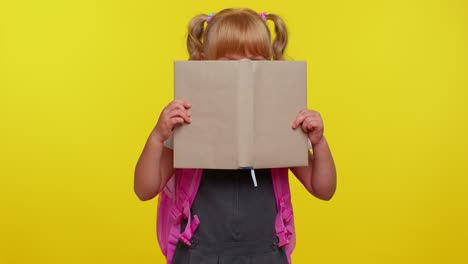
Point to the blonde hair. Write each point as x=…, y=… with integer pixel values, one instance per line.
x=235, y=31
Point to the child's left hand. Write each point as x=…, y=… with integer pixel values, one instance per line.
x=311, y=123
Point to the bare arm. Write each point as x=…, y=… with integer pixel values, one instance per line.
x=154, y=168
x=319, y=177
x=155, y=165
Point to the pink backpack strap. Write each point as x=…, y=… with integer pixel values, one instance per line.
x=187, y=182
x=187, y=187
x=284, y=222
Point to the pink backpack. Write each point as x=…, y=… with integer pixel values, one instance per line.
x=177, y=197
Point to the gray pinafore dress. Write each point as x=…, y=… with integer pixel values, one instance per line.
x=237, y=221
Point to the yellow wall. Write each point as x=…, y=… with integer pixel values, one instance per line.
x=82, y=84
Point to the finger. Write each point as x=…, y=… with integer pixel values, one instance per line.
x=313, y=129
x=314, y=120
x=180, y=113
x=176, y=112
x=175, y=105
x=185, y=104
x=314, y=124
x=310, y=124
x=300, y=118
x=171, y=107
x=316, y=115
x=178, y=104
x=175, y=121
x=302, y=111
x=305, y=125
x=308, y=111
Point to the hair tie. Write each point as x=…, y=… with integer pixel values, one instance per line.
x=263, y=15
x=210, y=16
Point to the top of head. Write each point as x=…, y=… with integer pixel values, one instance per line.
x=235, y=34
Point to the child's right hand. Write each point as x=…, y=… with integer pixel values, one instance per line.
x=176, y=112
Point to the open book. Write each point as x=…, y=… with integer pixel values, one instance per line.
x=242, y=112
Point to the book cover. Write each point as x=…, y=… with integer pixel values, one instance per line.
x=242, y=113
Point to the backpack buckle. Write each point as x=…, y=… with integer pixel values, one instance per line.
x=189, y=230
x=284, y=237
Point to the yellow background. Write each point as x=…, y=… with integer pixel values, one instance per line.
x=82, y=84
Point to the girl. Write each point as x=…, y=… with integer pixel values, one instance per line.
x=237, y=219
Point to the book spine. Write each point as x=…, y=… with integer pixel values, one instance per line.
x=245, y=114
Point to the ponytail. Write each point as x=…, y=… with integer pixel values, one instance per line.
x=194, y=38
x=281, y=39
